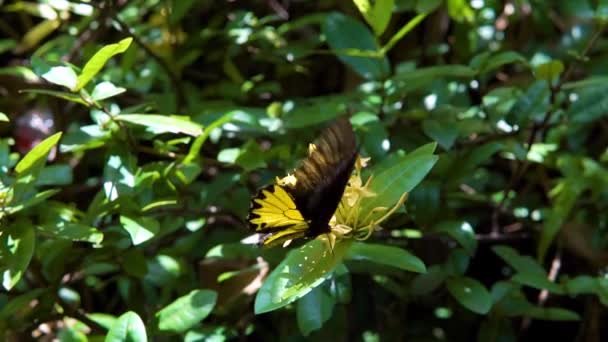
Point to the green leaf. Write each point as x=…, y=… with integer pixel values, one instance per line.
x=462, y=232
x=348, y=37
x=106, y=90
x=16, y=251
x=74, y=232
x=498, y=60
x=302, y=270
x=552, y=314
x=19, y=303
x=441, y=71
x=591, y=104
x=531, y=105
x=3, y=117
x=378, y=15
x=37, y=198
x=163, y=124
x=444, y=132
x=94, y=65
x=401, y=176
x=62, y=75
x=127, y=328
x=37, y=156
x=58, y=94
x=521, y=264
x=549, y=71
x=427, y=6
x=460, y=11
x=566, y=194
x=386, y=255
x=470, y=293
x=405, y=29
x=141, y=229
x=538, y=281
x=313, y=310
x=186, y=311
x=314, y=112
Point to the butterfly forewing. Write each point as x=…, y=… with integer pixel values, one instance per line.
x=283, y=212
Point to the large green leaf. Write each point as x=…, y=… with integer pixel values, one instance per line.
x=99, y=59
x=355, y=45
x=37, y=156
x=393, y=179
x=302, y=270
x=377, y=15
x=141, y=229
x=186, y=311
x=386, y=255
x=470, y=293
x=16, y=251
x=314, y=309
x=127, y=328
x=163, y=123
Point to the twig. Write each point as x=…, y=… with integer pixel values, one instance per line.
x=179, y=90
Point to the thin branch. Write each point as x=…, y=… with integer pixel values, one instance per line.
x=179, y=90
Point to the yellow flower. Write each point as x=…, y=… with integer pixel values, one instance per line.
x=347, y=222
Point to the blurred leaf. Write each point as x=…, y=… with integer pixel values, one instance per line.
x=37, y=156
x=549, y=71
x=591, y=104
x=427, y=6
x=186, y=311
x=346, y=37
x=313, y=310
x=302, y=270
x=470, y=293
x=521, y=264
x=16, y=251
x=59, y=94
x=3, y=117
x=141, y=229
x=163, y=124
x=537, y=281
x=460, y=10
x=314, y=112
x=106, y=90
x=36, y=34
x=462, y=232
x=498, y=60
x=564, y=196
x=386, y=255
x=392, y=181
x=61, y=75
x=405, y=29
x=127, y=328
x=74, y=232
x=425, y=283
x=533, y=104
x=19, y=303
x=377, y=15
x=444, y=132
x=94, y=65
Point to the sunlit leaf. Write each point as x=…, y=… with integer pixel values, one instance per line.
x=186, y=311
x=127, y=328
x=94, y=65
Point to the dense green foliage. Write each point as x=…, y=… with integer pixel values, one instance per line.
x=133, y=134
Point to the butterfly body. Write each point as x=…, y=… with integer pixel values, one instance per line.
x=285, y=212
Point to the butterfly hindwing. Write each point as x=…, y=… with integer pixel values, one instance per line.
x=274, y=212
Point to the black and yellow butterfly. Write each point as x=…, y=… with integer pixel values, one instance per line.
x=304, y=209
